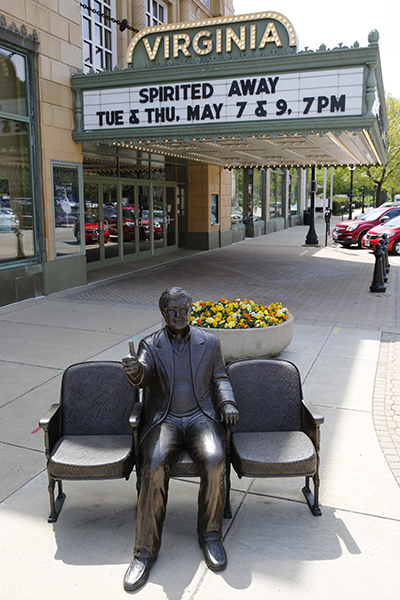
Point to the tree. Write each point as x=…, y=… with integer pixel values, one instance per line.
x=374, y=180
x=387, y=177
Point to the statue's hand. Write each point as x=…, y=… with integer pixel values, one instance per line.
x=230, y=414
x=130, y=362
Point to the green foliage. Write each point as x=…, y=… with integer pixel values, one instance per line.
x=338, y=202
x=372, y=179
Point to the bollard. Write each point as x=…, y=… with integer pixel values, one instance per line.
x=385, y=241
x=385, y=259
x=377, y=282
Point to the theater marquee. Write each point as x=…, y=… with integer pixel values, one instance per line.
x=235, y=91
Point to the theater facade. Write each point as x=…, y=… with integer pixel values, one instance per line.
x=210, y=131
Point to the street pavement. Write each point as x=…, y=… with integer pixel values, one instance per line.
x=346, y=344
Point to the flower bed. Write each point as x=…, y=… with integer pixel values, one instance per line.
x=245, y=329
x=237, y=314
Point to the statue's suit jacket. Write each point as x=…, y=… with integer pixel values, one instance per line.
x=210, y=382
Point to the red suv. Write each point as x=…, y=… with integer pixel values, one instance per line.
x=392, y=230
x=92, y=230
x=352, y=232
x=128, y=217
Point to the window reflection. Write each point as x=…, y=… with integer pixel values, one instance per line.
x=66, y=209
x=276, y=194
x=237, y=196
x=16, y=212
x=294, y=191
x=12, y=83
x=257, y=194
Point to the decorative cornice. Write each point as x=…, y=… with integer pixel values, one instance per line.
x=220, y=68
x=19, y=35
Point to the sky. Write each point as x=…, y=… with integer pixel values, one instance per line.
x=346, y=21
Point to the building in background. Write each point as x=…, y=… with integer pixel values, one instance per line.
x=86, y=183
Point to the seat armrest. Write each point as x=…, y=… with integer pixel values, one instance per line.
x=134, y=422
x=312, y=421
x=50, y=415
x=312, y=411
x=228, y=438
x=50, y=423
x=134, y=419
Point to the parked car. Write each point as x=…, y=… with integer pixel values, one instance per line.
x=8, y=220
x=236, y=215
x=394, y=203
x=352, y=232
x=92, y=230
x=128, y=217
x=392, y=230
x=158, y=233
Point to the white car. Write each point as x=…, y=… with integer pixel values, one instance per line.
x=8, y=220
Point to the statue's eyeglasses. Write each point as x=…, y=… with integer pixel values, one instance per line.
x=173, y=310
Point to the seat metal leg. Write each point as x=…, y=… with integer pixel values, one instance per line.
x=227, y=508
x=55, y=504
x=313, y=499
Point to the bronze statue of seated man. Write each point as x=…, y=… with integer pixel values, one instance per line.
x=189, y=398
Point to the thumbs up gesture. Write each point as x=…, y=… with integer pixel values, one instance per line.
x=130, y=362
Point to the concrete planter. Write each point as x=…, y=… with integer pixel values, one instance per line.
x=254, y=343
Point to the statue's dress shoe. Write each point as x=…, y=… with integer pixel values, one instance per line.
x=214, y=554
x=138, y=573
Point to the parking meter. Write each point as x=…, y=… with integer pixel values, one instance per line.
x=342, y=209
x=327, y=217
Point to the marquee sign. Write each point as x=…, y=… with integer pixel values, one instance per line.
x=228, y=90
x=223, y=37
x=335, y=92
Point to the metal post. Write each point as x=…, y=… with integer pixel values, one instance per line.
x=327, y=216
x=312, y=238
x=363, y=200
x=386, y=269
x=351, y=193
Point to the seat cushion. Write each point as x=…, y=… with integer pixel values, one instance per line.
x=273, y=454
x=184, y=466
x=92, y=457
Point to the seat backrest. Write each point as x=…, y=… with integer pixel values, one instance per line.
x=96, y=399
x=268, y=393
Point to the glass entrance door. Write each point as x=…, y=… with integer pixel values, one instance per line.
x=129, y=221
x=171, y=216
x=109, y=229
x=88, y=232
x=126, y=220
x=145, y=239
x=101, y=224
x=164, y=217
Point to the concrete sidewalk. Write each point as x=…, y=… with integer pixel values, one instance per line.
x=347, y=346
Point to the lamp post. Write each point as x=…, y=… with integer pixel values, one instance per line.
x=351, y=192
x=311, y=237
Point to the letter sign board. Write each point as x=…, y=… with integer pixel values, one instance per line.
x=318, y=94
